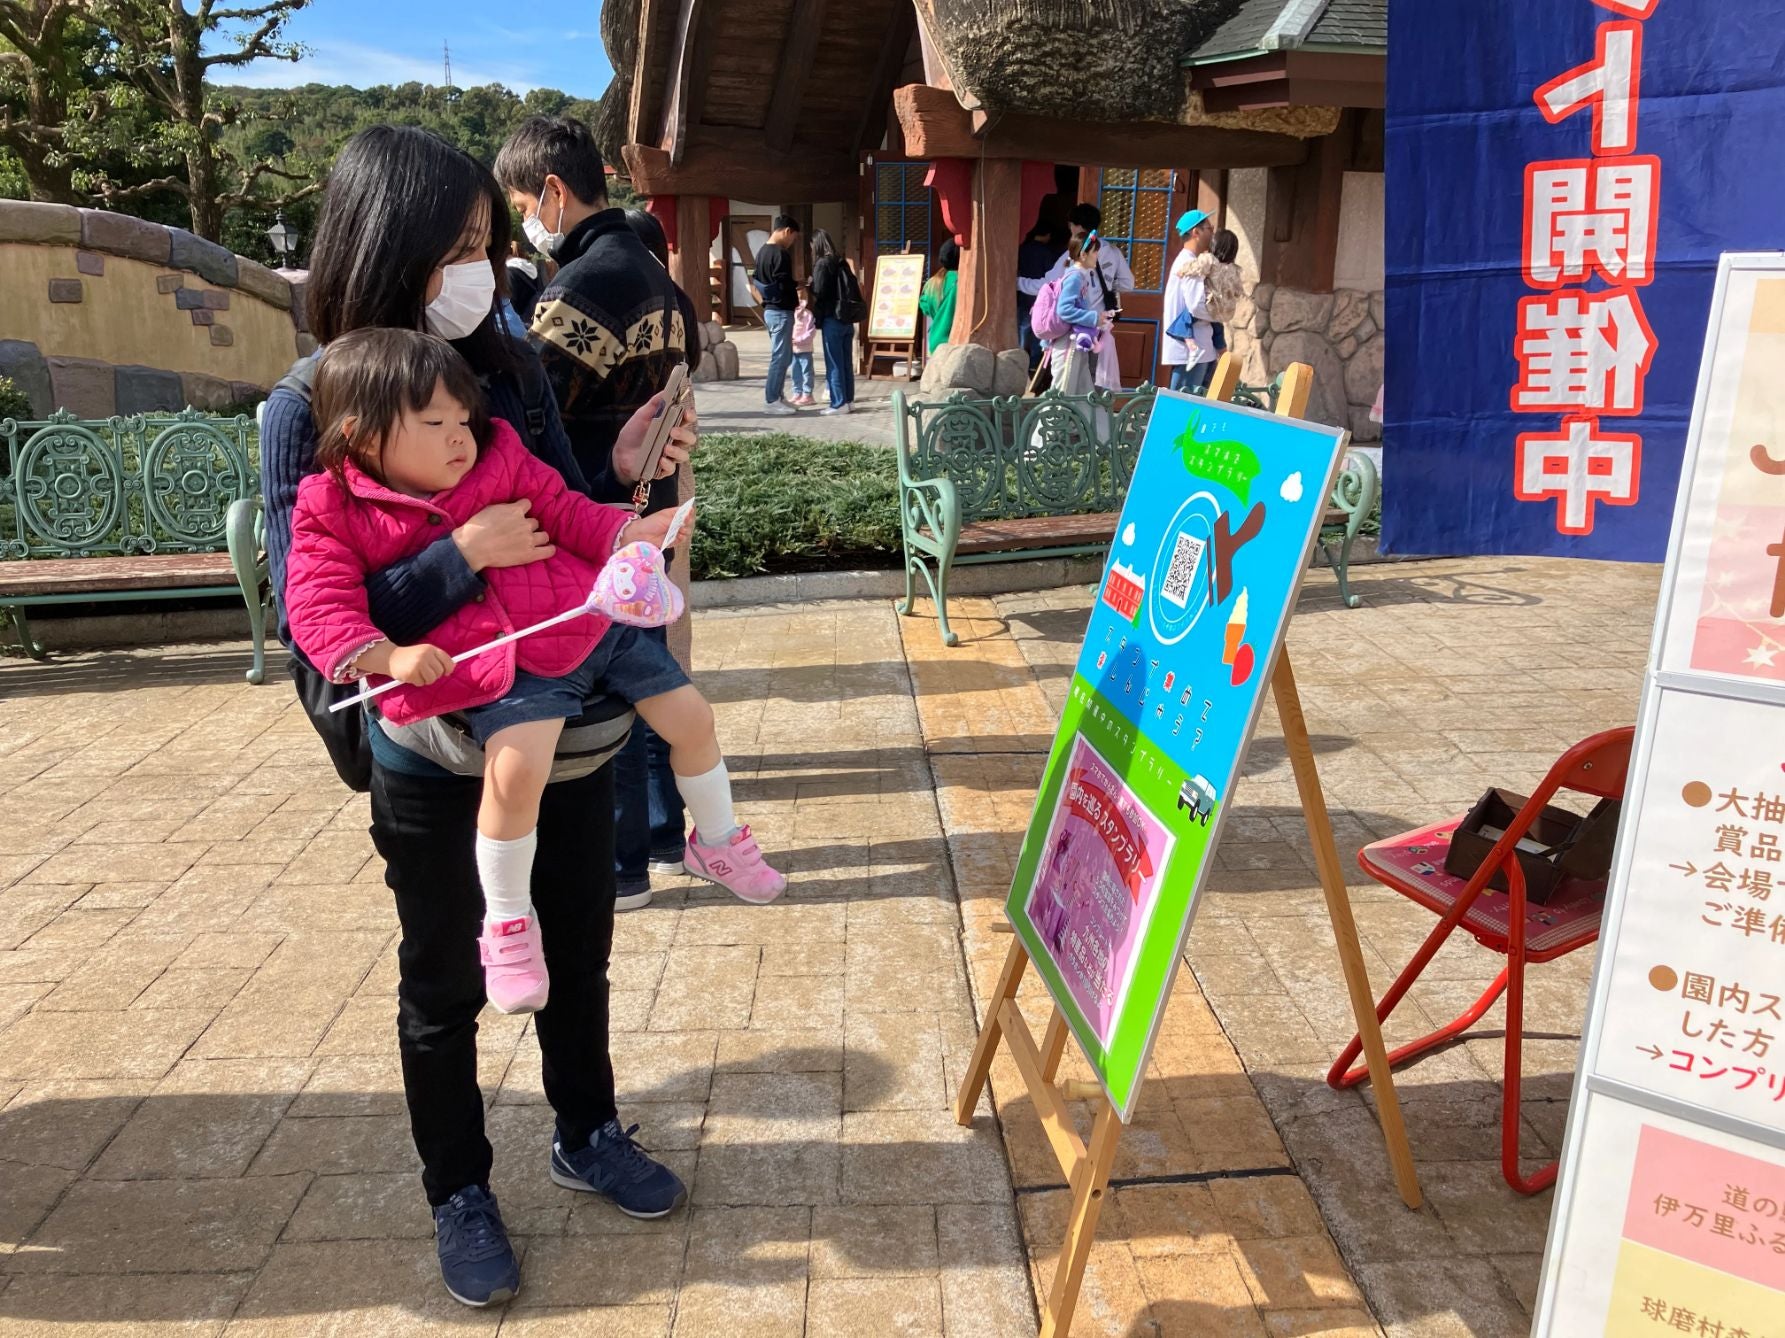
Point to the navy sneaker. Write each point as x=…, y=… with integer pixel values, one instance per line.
x=632, y=896
x=476, y=1261
x=614, y=1165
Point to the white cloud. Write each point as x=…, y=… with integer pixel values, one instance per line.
x=1291, y=490
x=1128, y=533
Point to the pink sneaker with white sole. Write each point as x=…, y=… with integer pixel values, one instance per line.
x=514, y=975
x=736, y=865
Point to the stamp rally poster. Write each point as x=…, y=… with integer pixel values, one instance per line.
x=1198, y=587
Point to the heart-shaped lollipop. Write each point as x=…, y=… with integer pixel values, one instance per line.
x=634, y=588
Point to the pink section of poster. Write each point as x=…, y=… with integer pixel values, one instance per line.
x=1096, y=885
x=1709, y=1205
x=1737, y=631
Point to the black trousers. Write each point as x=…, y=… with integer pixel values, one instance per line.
x=425, y=829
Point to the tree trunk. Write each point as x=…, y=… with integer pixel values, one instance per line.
x=201, y=158
x=46, y=107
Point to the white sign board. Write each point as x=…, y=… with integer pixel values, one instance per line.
x=1670, y=1209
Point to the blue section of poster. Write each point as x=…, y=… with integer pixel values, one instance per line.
x=1195, y=596
x=1562, y=177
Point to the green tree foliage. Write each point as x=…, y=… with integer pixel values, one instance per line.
x=112, y=102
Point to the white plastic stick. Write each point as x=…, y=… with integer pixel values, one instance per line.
x=463, y=655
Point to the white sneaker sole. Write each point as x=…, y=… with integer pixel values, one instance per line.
x=498, y=1297
x=584, y=1187
x=635, y=901
x=666, y=866
x=695, y=871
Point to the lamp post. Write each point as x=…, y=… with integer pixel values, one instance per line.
x=284, y=238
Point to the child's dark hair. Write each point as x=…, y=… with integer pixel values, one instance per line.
x=367, y=378
x=1226, y=247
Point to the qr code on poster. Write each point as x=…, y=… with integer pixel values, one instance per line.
x=1184, y=564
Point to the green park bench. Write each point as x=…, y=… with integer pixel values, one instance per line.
x=146, y=507
x=1000, y=480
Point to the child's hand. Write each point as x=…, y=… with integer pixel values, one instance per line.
x=419, y=665
x=651, y=529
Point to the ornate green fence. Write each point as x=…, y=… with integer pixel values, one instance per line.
x=148, y=506
x=127, y=486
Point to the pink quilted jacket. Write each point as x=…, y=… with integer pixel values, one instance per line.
x=340, y=535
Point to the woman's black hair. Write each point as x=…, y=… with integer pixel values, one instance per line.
x=1226, y=247
x=948, y=255
x=823, y=248
x=649, y=230
x=397, y=205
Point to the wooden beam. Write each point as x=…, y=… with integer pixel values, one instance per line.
x=937, y=126
x=651, y=14
x=885, y=78
x=798, y=54
x=1301, y=237
x=734, y=164
x=688, y=261
x=684, y=90
x=1293, y=79
x=985, y=304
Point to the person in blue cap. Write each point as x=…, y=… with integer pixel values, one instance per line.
x=1189, y=325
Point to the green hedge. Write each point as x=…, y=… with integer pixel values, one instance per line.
x=780, y=503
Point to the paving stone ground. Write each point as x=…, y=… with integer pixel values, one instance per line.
x=201, y=1124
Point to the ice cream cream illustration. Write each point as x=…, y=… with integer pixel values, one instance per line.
x=1236, y=627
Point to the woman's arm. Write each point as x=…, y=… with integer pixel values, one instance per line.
x=405, y=600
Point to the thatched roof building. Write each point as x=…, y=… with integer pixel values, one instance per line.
x=1155, y=102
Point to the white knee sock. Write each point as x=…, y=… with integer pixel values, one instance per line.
x=709, y=803
x=505, y=868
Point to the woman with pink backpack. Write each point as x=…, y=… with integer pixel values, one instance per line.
x=1070, y=316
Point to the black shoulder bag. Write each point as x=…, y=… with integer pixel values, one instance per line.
x=343, y=733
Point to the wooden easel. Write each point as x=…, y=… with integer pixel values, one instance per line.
x=1087, y=1168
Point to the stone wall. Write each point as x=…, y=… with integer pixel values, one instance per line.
x=1338, y=334
x=103, y=314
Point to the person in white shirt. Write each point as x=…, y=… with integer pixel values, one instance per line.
x=1111, y=263
x=1190, y=353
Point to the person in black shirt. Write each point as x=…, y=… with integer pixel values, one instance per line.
x=1034, y=258
x=831, y=281
x=775, y=287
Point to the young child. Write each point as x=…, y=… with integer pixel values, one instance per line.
x=804, y=330
x=1223, y=285
x=409, y=453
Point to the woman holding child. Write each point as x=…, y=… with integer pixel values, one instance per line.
x=413, y=237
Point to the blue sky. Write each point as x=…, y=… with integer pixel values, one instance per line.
x=515, y=45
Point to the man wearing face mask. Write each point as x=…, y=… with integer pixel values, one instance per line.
x=607, y=326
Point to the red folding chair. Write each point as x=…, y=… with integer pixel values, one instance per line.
x=1503, y=922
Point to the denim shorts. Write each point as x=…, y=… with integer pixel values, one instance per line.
x=625, y=663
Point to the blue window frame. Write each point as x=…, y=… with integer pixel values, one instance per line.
x=1136, y=207
x=902, y=205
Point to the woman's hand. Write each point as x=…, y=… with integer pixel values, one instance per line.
x=502, y=536
x=629, y=448
x=651, y=529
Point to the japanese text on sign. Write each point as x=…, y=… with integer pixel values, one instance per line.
x=1585, y=354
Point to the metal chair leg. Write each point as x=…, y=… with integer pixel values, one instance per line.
x=22, y=626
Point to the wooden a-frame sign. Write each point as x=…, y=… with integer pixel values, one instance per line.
x=1087, y=1168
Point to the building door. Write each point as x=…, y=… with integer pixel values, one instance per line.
x=1139, y=207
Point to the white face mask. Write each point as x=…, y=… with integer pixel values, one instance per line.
x=467, y=294
x=544, y=239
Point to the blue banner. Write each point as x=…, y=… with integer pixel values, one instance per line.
x=1562, y=177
